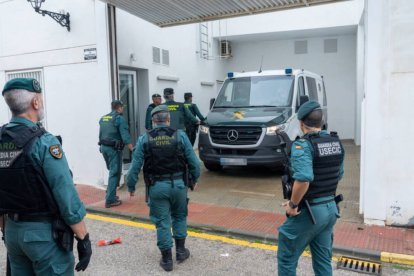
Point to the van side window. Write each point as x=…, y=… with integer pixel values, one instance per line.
x=301, y=89
x=312, y=90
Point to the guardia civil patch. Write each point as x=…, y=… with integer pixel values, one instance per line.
x=56, y=151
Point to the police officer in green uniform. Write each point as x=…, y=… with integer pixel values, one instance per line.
x=191, y=128
x=113, y=136
x=156, y=101
x=316, y=166
x=165, y=152
x=179, y=114
x=40, y=207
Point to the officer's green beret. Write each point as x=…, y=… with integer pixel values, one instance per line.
x=158, y=109
x=307, y=108
x=168, y=91
x=28, y=84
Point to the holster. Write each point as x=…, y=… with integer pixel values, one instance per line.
x=286, y=186
x=149, y=181
x=188, y=179
x=119, y=145
x=62, y=234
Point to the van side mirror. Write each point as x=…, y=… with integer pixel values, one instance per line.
x=212, y=100
x=303, y=99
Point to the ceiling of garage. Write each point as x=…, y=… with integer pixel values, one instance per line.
x=165, y=13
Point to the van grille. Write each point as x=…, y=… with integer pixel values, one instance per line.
x=245, y=135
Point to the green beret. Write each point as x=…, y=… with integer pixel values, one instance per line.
x=28, y=84
x=168, y=91
x=158, y=109
x=307, y=108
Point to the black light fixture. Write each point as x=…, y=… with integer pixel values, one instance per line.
x=62, y=19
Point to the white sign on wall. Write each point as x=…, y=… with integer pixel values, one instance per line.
x=89, y=54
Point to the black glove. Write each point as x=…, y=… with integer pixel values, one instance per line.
x=84, y=252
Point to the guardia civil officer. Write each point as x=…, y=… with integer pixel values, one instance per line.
x=113, y=136
x=41, y=210
x=165, y=152
x=316, y=166
x=179, y=114
x=156, y=100
x=191, y=128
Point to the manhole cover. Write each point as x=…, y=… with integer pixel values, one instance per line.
x=359, y=265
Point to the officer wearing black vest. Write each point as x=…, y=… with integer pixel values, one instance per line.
x=191, y=128
x=39, y=206
x=165, y=153
x=316, y=166
x=156, y=101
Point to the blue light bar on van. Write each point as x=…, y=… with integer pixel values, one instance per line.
x=288, y=71
x=230, y=75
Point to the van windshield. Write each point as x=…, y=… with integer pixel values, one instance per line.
x=261, y=91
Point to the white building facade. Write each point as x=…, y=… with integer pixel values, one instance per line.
x=362, y=48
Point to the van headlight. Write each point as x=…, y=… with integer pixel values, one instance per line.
x=272, y=130
x=204, y=129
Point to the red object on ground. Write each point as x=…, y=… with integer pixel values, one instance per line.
x=109, y=242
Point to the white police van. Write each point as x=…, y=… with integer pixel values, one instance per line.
x=240, y=129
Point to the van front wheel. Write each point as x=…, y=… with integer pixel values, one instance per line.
x=212, y=167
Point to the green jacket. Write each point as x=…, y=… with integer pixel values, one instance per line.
x=114, y=127
x=194, y=110
x=179, y=114
x=148, y=118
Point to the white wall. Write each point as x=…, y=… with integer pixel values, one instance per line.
x=389, y=80
x=76, y=91
x=338, y=70
x=182, y=42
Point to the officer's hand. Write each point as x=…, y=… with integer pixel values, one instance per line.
x=84, y=252
x=289, y=211
x=130, y=147
x=131, y=194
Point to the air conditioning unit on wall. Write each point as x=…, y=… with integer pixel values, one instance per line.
x=225, y=49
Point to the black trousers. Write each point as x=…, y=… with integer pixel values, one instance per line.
x=191, y=131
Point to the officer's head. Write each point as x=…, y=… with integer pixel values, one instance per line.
x=310, y=116
x=188, y=97
x=24, y=98
x=160, y=115
x=156, y=99
x=117, y=105
x=169, y=94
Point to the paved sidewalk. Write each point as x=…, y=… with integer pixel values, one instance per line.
x=350, y=237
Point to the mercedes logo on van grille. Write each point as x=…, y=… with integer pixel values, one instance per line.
x=232, y=135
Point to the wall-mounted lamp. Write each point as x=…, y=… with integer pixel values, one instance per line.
x=62, y=19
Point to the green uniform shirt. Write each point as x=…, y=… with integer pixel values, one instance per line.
x=179, y=114
x=114, y=127
x=57, y=174
x=138, y=159
x=194, y=110
x=148, y=118
x=301, y=160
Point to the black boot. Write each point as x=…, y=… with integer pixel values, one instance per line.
x=181, y=253
x=166, y=261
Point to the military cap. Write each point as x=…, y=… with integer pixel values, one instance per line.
x=28, y=84
x=188, y=94
x=158, y=109
x=306, y=108
x=168, y=91
x=156, y=95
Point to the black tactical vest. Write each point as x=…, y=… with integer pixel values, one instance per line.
x=162, y=154
x=23, y=186
x=328, y=154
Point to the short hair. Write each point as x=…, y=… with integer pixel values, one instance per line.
x=314, y=119
x=116, y=104
x=19, y=100
x=160, y=117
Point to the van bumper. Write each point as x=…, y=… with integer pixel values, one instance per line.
x=269, y=153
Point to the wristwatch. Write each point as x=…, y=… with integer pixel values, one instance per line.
x=292, y=205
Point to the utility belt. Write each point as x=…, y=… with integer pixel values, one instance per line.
x=167, y=177
x=116, y=144
x=62, y=233
x=150, y=181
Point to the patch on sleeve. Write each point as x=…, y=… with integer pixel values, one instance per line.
x=56, y=151
x=298, y=147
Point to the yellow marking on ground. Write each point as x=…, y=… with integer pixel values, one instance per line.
x=397, y=258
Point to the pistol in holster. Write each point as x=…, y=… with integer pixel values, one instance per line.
x=119, y=145
x=188, y=179
x=149, y=181
x=62, y=234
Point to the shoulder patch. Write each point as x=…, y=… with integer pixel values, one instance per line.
x=56, y=151
x=298, y=147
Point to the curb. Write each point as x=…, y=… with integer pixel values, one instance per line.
x=372, y=255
